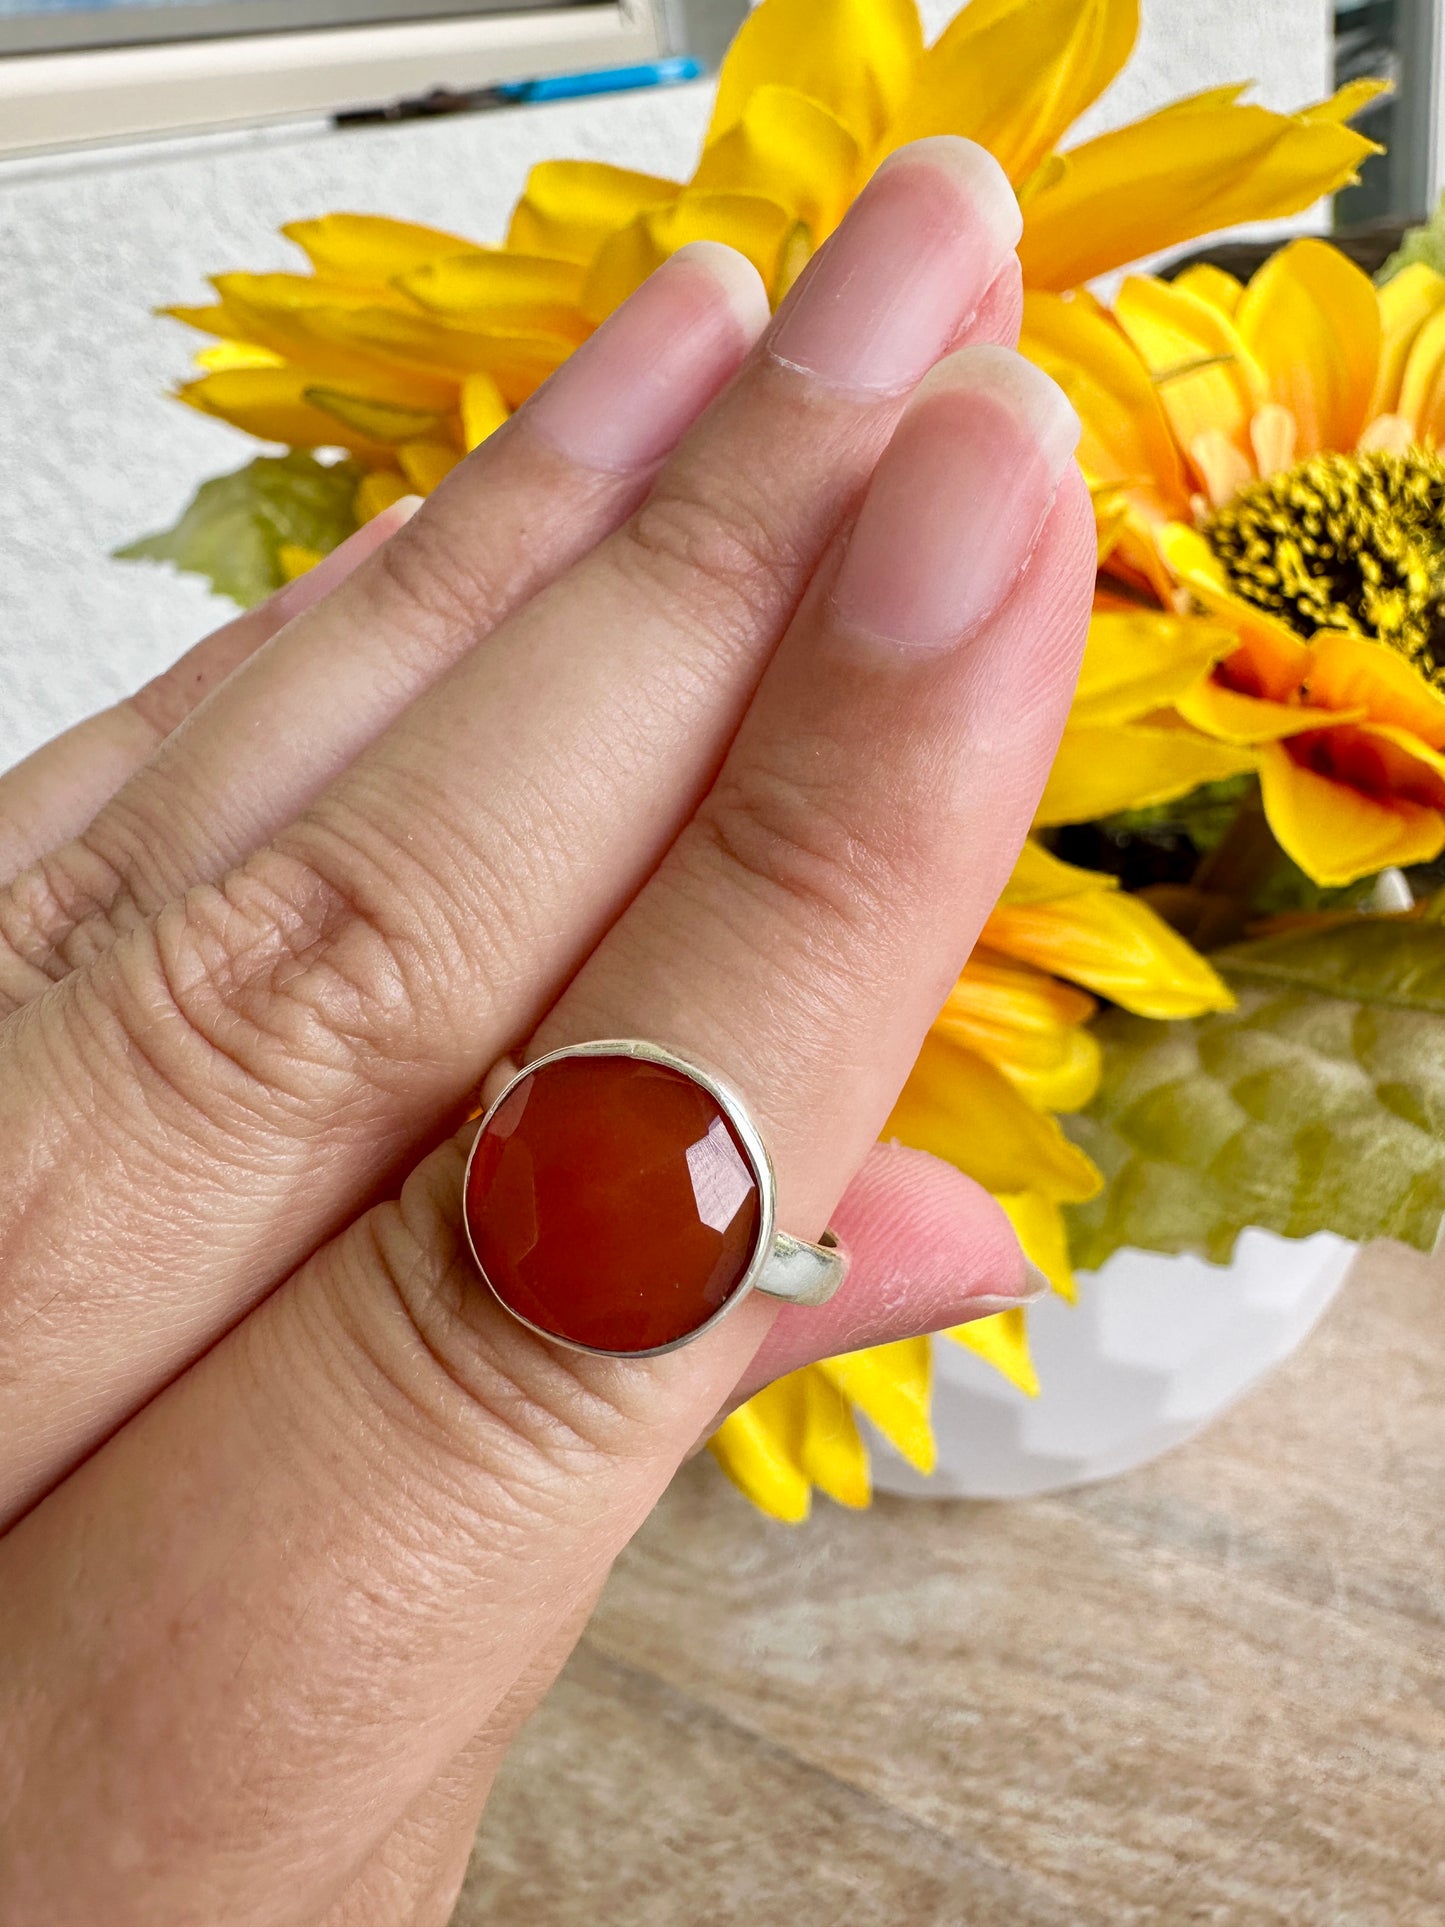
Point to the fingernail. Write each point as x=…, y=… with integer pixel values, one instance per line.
x=915, y=256
x=621, y=400
x=989, y=1304
x=1000, y=313
x=1038, y=1283
x=332, y=569
x=957, y=502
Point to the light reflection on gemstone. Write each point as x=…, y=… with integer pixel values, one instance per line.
x=610, y=1203
x=721, y=1181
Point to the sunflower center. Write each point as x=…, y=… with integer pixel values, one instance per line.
x=1354, y=542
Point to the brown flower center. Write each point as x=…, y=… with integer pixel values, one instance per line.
x=1354, y=542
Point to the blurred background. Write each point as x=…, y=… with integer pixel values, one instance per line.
x=145, y=145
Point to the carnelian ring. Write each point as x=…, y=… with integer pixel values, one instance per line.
x=619, y=1200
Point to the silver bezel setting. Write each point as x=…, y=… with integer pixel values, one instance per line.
x=729, y=1100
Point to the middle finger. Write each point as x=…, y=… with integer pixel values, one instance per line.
x=293, y=1033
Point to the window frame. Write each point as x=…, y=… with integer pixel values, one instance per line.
x=90, y=95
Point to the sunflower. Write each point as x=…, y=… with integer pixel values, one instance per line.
x=1279, y=446
x=407, y=346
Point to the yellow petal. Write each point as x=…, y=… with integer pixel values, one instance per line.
x=1039, y=1227
x=498, y=288
x=754, y=1447
x=517, y=362
x=1407, y=301
x=1235, y=717
x=958, y=1106
x=271, y=404
x=787, y=149
x=1003, y=1342
x=237, y=354
x=854, y=57
x=369, y=249
x=1115, y=945
x=1422, y=385
x=483, y=410
x=1274, y=437
x=1126, y=435
x=1195, y=103
x=1131, y=766
x=755, y=227
x=1356, y=675
x=213, y=320
x=1163, y=180
x=1275, y=657
x=1385, y=435
x=1206, y=377
x=1049, y=170
x=568, y=208
x=310, y=322
x=295, y=560
x=1349, y=100
x=377, y=491
x=1312, y=323
x=1222, y=469
x=1016, y=77
x=1382, y=761
x=1337, y=834
x=890, y=1385
x=1028, y=1025
x=1139, y=661
x=832, y=1452
x=1111, y=518
x=801, y=1425
x=1039, y=876
x=375, y=421
x=1208, y=283
x=427, y=464
x=280, y=302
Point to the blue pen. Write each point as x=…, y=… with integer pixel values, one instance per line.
x=522, y=93
x=605, y=80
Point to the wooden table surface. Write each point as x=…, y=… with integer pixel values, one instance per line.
x=1210, y=1692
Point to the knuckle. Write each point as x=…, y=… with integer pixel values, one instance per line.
x=330, y=966
x=66, y=909
x=445, y=1361
x=426, y=590
x=249, y=998
x=711, y=557
x=807, y=834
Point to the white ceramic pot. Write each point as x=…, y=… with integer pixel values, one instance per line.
x=1155, y=1348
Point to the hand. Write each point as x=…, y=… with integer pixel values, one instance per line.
x=708, y=702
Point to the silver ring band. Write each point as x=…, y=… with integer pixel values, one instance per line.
x=798, y=1273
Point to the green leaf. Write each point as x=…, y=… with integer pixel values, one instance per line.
x=1317, y=1105
x=1203, y=815
x=1425, y=244
x=234, y=530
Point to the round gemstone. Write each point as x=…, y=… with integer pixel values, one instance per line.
x=610, y=1202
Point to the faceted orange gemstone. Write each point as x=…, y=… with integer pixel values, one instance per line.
x=611, y=1202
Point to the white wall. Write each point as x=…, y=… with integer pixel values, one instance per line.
x=91, y=452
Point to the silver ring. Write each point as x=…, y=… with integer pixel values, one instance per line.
x=500, y=1212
